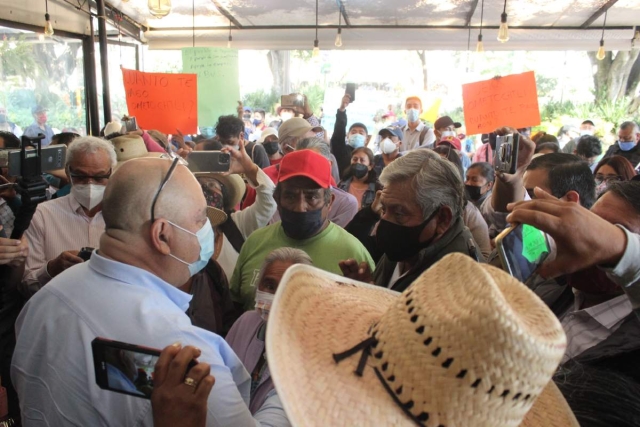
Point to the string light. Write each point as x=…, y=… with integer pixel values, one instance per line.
x=338, y=42
x=635, y=41
x=48, y=26
x=230, y=38
x=503, y=32
x=159, y=8
x=316, y=44
x=480, y=45
x=601, y=53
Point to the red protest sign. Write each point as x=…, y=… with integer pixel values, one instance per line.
x=161, y=101
x=502, y=101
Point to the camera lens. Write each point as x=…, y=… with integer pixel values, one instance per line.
x=225, y=159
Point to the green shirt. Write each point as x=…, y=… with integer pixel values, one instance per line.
x=326, y=249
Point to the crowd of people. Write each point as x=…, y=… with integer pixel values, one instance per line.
x=328, y=278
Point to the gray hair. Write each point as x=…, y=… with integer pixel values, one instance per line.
x=90, y=145
x=292, y=255
x=629, y=124
x=435, y=181
x=316, y=144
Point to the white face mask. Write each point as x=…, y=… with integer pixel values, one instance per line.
x=586, y=132
x=263, y=303
x=387, y=146
x=413, y=115
x=88, y=195
x=448, y=133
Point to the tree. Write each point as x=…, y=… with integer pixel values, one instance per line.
x=422, y=54
x=616, y=77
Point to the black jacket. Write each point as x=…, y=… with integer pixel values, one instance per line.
x=339, y=147
x=457, y=239
x=632, y=155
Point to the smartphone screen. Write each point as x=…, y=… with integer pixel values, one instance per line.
x=124, y=368
x=522, y=250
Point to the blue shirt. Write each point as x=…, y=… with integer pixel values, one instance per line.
x=33, y=130
x=52, y=368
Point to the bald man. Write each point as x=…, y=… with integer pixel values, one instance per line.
x=128, y=292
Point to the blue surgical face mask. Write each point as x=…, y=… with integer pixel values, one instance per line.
x=413, y=115
x=356, y=140
x=205, y=238
x=626, y=146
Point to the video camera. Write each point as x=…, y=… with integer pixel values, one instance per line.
x=28, y=163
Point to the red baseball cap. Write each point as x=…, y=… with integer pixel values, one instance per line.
x=452, y=141
x=306, y=163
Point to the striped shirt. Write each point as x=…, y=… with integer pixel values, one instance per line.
x=589, y=327
x=57, y=226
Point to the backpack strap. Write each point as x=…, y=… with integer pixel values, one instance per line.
x=423, y=133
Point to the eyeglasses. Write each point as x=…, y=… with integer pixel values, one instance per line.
x=85, y=179
x=607, y=178
x=175, y=163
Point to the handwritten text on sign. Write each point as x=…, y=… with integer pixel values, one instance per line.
x=504, y=101
x=218, y=86
x=165, y=102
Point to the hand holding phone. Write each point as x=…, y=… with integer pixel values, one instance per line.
x=522, y=249
x=209, y=161
x=505, y=158
x=350, y=90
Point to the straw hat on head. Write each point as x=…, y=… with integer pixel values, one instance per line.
x=131, y=147
x=465, y=345
x=233, y=183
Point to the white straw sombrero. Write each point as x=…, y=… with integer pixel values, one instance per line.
x=464, y=345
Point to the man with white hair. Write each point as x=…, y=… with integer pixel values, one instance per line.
x=421, y=223
x=63, y=226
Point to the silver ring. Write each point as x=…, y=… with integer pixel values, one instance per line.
x=190, y=382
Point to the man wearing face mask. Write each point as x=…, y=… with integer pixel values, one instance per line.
x=304, y=197
x=390, y=143
x=247, y=335
x=258, y=120
x=157, y=235
x=63, y=226
x=445, y=128
x=342, y=142
x=628, y=145
x=6, y=125
x=586, y=128
x=421, y=222
x=269, y=141
x=416, y=133
x=230, y=131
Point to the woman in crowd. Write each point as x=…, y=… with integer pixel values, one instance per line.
x=247, y=336
x=360, y=180
x=610, y=169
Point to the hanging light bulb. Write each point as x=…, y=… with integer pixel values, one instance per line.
x=600, y=54
x=48, y=27
x=230, y=38
x=503, y=32
x=316, y=49
x=339, y=38
x=480, y=45
x=41, y=37
x=159, y=8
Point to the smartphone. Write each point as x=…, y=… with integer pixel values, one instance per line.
x=505, y=158
x=351, y=91
x=85, y=253
x=209, y=161
x=522, y=249
x=291, y=101
x=52, y=157
x=129, y=125
x=125, y=368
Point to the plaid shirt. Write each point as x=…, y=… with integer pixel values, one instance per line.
x=6, y=217
x=589, y=327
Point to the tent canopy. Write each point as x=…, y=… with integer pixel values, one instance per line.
x=366, y=24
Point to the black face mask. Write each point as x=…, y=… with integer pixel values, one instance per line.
x=301, y=225
x=271, y=147
x=473, y=192
x=359, y=170
x=399, y=242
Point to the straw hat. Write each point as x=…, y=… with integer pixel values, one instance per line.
x=216, y=216
x=464, y=345
x=233, y=183
x=131, y=147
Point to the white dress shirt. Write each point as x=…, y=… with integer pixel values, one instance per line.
x=57, y=226
x=52, y=367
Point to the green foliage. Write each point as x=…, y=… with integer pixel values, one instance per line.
x=262, y=99
x=614, y=112
x=315, y=96
x=17, y=58
x=546, y=85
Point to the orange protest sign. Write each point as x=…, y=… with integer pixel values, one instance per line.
x=502, y=101
x=161, y=101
